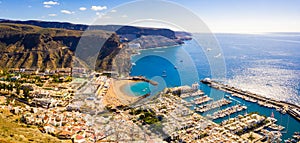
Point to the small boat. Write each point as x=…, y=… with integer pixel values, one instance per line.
x=133, y=64
x=175, y=67
x=144, y=89
x=181, y=60
x=164, y=74
x=277, y=109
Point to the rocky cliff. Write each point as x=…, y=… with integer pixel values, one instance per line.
x=51, y=45
x=25, y=46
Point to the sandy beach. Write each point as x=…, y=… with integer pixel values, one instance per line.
x=116, y=96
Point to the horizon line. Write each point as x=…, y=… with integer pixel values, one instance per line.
x=195, y=32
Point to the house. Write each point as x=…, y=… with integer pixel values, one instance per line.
x=79, y=139
x=49, y=128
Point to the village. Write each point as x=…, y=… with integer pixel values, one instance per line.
x=72, y=108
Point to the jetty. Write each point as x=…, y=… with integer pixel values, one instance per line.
x=228, y=111
x=283, y=106
x=142, y=78
x=212, y=105
x=192, y=94
x=202, y=99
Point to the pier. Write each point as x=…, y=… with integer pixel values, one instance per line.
x=228, y=111
x=202, y=99
x=212, y=105
x=285, y=107
x=142, y=78
x=192, y=94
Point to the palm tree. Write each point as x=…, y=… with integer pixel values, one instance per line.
x=17, y=86
x=26, y=92
x=251, y=137
x=9, y=88
x=1, y=86
x=5, y=86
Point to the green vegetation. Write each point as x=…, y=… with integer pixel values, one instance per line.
x=251, y=138
x=203, y=135
x=26, y=93
x=146, y=116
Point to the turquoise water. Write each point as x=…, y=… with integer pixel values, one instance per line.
x=264, y=64
x=137, y=89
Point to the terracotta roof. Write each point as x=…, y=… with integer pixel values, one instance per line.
x=79, y=137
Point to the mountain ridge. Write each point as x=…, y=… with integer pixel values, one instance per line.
x=31, y=46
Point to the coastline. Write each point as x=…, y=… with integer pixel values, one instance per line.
x=116, y=95
x=161, y=47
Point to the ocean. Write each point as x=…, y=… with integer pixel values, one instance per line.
x=266, y=64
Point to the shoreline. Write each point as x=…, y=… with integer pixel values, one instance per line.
x=161, y=47
x=154, y=48
x=116, y=95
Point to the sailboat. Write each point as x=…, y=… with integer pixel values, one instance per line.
x=272, y=114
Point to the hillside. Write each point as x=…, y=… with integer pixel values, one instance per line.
x=127, y=33
x=27, y=46
x=52, y=45
x=12, y=131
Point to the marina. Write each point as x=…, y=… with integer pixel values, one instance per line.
x=291, y=124
x=282, y=106
x=202, y=99
x=228, y=111
x=192, y=94
x=212, y=105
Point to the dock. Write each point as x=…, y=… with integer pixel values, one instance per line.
x=228, y=111
x=192, y=94
x=202, y=99
x=212, y=105
x=285, y=107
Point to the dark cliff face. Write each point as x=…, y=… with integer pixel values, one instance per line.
x=138, y=31
x=23, y=46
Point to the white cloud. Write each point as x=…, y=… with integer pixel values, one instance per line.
x=82, y=8
x=102, y=15
x=52, y=14
x=51, y=3
x=47, y=6
x=98, y=8
x=113, y=11
x=67, y=12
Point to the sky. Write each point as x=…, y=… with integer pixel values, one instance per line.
x=219, y=16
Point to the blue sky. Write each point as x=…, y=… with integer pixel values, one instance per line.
x=236, y=16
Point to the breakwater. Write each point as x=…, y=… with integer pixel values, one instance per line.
x=142, y=78
x=284, y=107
